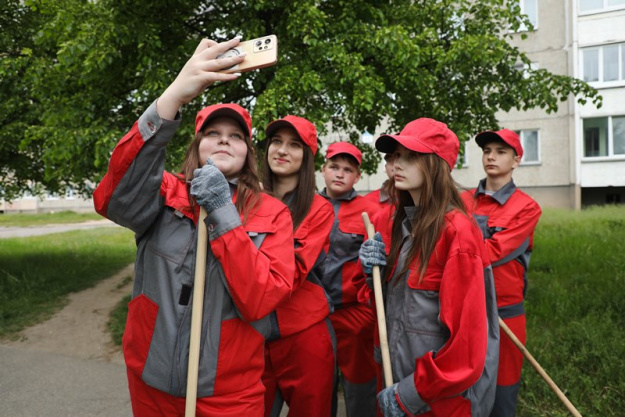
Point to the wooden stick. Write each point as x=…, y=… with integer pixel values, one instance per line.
x=539, y=369
x=379, y=307
x=196, y=314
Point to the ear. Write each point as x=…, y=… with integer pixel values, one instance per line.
x=357, y=177
x=517, y=162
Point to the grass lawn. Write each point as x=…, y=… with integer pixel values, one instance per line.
x=25, y=220
x=37, y=273
x=576, y=313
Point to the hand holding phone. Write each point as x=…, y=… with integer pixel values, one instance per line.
x=259, y=53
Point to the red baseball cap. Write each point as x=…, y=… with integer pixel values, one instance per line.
x=507, y=136
x=424, y=136
x=343, y=147
x=305, y=129
x=234, y=111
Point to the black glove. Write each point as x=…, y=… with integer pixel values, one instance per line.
x=210, y=188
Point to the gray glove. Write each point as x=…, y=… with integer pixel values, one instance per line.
x=210, y=188
x=387, y=401
x=372, y=253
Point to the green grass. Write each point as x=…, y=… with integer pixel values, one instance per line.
x=38, y=273
x=576, y=313
x=25, y=220
x=117, y=320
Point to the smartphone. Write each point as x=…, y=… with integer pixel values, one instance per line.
x=260, y=53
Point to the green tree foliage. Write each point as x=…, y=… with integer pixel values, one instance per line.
x=75, y=74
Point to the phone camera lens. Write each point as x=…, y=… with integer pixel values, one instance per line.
x=267, y=40
x=258, y=43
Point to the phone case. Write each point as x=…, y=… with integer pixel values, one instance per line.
x=260, y=53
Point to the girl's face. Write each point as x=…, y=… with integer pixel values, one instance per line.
x=285, y=153
x=340, y=176
x=408, y=172
x=223, y=141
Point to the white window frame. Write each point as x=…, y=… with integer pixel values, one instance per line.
x=621, y=68
x=521, y=133
x=611, y=155
x=604, y=8
x=522, y=4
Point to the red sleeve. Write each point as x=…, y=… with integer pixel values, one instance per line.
x=312, y=238
x=123, y=156
x=505, y=242
x=258, y=279
x=459, y=363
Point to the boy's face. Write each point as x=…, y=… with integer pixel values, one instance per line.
x=340, y=175
x=499, y=159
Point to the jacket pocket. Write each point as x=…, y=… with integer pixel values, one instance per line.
x=142, y=313
x=173, y=237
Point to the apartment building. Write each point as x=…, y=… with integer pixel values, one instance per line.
x=575, y=156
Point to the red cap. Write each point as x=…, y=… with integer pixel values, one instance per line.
x=305, y=129
x=505, y=135
x=424, y=136
x=344, y=147
x=231, y=110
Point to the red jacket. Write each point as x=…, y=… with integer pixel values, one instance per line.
x=507, y=219
x=309, y=304
x=249, y=270
x=443, y=331
x=343, y=275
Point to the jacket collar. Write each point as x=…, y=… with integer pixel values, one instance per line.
x=501, y=196
x=350, y=195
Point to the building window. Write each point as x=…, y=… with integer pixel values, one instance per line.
x=604, y=64
x=531, y=149
x=527, y=69
x=529, y=8
x=598, y=5
x=604, y=136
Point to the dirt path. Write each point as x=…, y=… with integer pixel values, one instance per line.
x=79, y=330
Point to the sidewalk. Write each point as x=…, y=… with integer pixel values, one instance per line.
x=7, y=232
x=35, y=383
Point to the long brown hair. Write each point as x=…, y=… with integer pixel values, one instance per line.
x=303, y=194
x=438, y=195
x=248, y=186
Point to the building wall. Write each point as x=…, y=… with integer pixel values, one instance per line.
x=551, y=180
x=601, y=178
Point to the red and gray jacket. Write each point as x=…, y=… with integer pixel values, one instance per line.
x=507, y=219
x=249, y=269
x=379, y=197
x=443, y=330
x=309, y=303
x=343, y=275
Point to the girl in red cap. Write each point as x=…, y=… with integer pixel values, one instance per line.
x=439, y=295
x=299, y=353
x=250, y=258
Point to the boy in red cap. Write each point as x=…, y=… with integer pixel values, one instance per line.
x=300, y=351
x=353, y=321
x=507, y=217
x=250, y=255
x=440, y=307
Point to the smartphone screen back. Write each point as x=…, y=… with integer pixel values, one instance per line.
x=260, y=53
